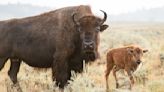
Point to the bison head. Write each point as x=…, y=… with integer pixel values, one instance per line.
x=89, y=27
x=136, y=54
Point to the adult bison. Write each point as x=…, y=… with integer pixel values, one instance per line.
x=59, y=39
x=127, y=58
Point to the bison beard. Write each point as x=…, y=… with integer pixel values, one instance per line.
x=49, y=40
x=89, y=56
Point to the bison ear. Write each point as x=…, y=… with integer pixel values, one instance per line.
x=103, y=27
x=144, y=51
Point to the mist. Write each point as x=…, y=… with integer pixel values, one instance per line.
x=9, y=11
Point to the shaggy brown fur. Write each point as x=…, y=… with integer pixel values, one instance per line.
x=60, y=39
x=127, y=58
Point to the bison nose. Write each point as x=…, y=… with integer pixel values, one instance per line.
x=88, y=45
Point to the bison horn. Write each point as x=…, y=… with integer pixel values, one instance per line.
x=105, y=17
x=73, y=18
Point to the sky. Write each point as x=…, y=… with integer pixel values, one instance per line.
x=110, y=6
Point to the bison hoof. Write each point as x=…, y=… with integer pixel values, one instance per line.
x=117, y=85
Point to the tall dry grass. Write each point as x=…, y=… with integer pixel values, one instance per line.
x=149, y=77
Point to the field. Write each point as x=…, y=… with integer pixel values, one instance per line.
x=149, y=77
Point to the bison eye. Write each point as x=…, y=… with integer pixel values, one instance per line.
x=97, y=29
x=79, y=29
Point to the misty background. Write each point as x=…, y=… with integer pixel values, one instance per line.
x=19, y=10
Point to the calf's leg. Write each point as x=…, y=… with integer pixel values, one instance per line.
x=115, y=69
x=129, y=72
x=108, y=70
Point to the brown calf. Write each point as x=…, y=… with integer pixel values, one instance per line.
x=127, y=58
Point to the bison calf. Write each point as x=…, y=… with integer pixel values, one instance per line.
x=127, y=58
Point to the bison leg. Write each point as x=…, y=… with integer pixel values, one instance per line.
x=61, y=74
x=2, y=62
x=107, y=72
x=76, y=64
x=130, y=77
x=115, y=69
x=14, y=68
x=60, y=70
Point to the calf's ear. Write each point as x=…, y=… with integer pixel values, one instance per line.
x=144, y=51
x=103, y=27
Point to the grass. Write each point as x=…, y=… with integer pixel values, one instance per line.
x=149, y=77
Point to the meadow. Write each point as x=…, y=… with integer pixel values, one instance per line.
x=149, y=77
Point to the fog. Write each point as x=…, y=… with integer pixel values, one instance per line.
x=19, y=10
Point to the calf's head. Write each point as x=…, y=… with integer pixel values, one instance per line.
x=136, y=54
x=89, y=27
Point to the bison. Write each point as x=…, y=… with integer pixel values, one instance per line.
x=127, y=58
x=59, y=39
